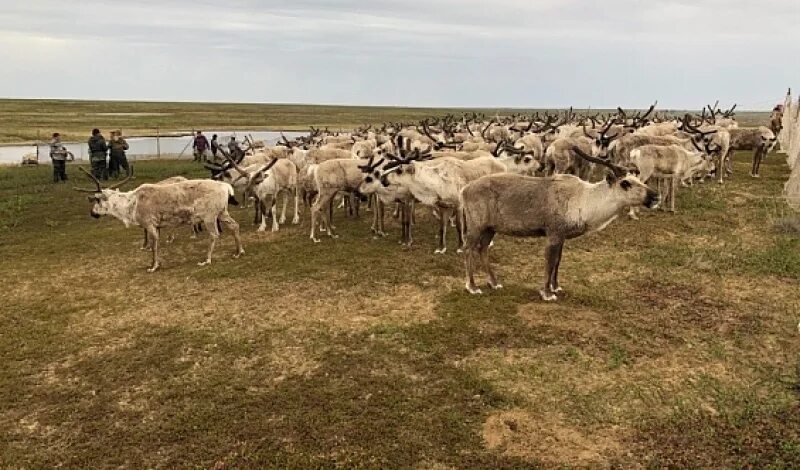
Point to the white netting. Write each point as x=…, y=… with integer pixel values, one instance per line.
x=790, y=143
x=785, y=136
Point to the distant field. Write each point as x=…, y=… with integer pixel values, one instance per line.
x=25, y=121
x=674, y=346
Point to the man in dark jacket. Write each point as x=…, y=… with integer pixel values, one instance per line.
x=200, y=147
x=116, y=158
x=97, y=154
x=214, y=146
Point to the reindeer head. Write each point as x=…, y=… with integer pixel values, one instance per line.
x=372, y=176
x=768, y=138
x=601, y=142
x=524, y=161
x=102, y=202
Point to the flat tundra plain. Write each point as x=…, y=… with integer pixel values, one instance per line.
x=675, y=344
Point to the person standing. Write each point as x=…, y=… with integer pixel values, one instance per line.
x=200, y=147
x=97, y=154
x=776, y=119
x=116, y=158
x=214, y=146
x=58, y=154
x=235, y=151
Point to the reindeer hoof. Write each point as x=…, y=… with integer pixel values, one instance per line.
x=459, y=250
x=261, y=229
x=204, y=263
x=316, y=240
x=152, y=269
x=296, y=220
x=558, y=289
x=547, y=297
x=473, y=290
x=274, y=229
x=496, y=286
x=439, y=251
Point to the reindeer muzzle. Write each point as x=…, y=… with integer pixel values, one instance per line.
x=652, y=200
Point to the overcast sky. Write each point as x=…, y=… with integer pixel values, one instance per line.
x=515, y=53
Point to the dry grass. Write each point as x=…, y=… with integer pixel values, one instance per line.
x=675, y=345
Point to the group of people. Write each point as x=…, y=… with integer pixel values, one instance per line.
x=209, y=151
x=106, y=157
x=114, y=149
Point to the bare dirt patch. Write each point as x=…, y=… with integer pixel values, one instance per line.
x=548, y=438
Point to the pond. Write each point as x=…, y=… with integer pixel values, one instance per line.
x=142, y=147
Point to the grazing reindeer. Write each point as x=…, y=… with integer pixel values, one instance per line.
x=673, y=162
x=153, y=206
x=560, y=208
x=759, y=139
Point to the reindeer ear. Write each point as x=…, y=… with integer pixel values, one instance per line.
x=611, y=178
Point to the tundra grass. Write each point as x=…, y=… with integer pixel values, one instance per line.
x=35, y=120
x=676, y=343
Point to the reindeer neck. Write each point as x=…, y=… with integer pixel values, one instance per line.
x=601, y=206
x=122, y=205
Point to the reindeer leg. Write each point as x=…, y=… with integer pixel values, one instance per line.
x=275, y=225
x=213, y=232
x=471, y=244
x=315, y=214
x=483, y=249
x=257, y=212
x=551, y=256
x=261, y=206
x=296, y=219
x=673, y=183
x=554, y=275
x=329, y=222
x=145, y=244
x=285, y=203
x=380, y=207
x=444, y=219
x=459, y=229
x=152, y=232
x=231, y=224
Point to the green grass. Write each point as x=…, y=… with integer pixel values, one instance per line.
x=674, y=345
x=36, y=120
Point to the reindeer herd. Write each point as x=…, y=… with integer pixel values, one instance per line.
x=557, y=176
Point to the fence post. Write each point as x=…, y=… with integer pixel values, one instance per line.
x=158, y=144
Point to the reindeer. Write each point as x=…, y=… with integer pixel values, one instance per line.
x=332, y=177
x=267, y=185
x=153, y=206
x=560, y=208
x=437, y=183
x=196, y=229
x=759, y=139
x=673, y=162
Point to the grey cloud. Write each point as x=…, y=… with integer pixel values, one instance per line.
x=421, y=53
